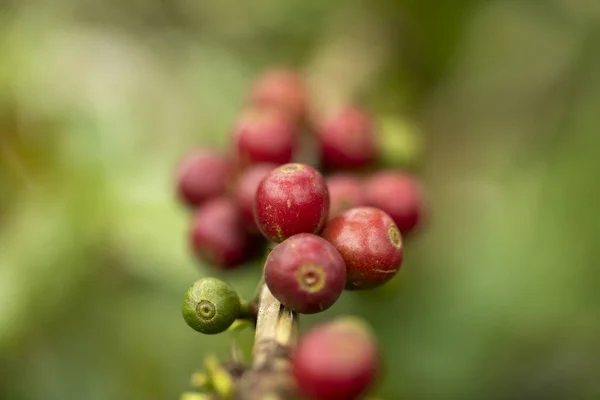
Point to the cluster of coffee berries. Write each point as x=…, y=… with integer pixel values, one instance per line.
x=332, y=223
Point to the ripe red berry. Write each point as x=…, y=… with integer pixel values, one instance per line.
x=399, y=195
x=217, y=233
x=245, y=190
x=264, y=136
x=336, y=361
x=291, y=199
x=345, y=192
x=348, y=139
x=202, y=175
x=370, y=244
x=305, y=273
x=282, y=89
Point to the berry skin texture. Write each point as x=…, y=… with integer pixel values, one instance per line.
x=202, y=175
x=210, y=306
x=264, y=136
x=218, y=234
x=305, y=273
x=345, y=192
x=370, y=244
x=281, y=89
x=291, y=199
x=348, y=139
x=338, y=360
x=399, y=195
x=245, y=190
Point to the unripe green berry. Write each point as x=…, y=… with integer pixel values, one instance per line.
x=210, y=306
x=400, y=143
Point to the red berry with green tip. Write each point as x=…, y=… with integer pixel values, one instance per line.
x=291, y=199
x=338, y=360
x=202, y=175
x=370, y=244
x=345, y=192
x=282, y=89
x=264, y=136
x=398, y=194
x=245, y=190
x=305, y=273
x=348, y=139
x=218, y=234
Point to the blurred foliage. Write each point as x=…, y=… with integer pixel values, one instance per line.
x=500, y=294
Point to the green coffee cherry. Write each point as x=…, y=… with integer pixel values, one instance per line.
x=400, y=143
x=210, y=306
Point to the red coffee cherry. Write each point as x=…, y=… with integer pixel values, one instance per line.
x=398, y=194
x=264, y=136
x=291, y=199
x=305, y=273
x=217, y=234
x=348, y=139
x=202, y=174
x=245, y=190
x=336, y=361
x=282, y=89
x=370, y=244
x=345, y=192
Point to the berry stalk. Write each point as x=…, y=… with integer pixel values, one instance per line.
x=276, y=334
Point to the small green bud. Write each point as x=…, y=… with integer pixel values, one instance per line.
x=199, y=380
x=194, y=396
x=221, y=380
x=211, y=306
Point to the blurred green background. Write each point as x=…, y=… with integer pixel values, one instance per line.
x=499, y=297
